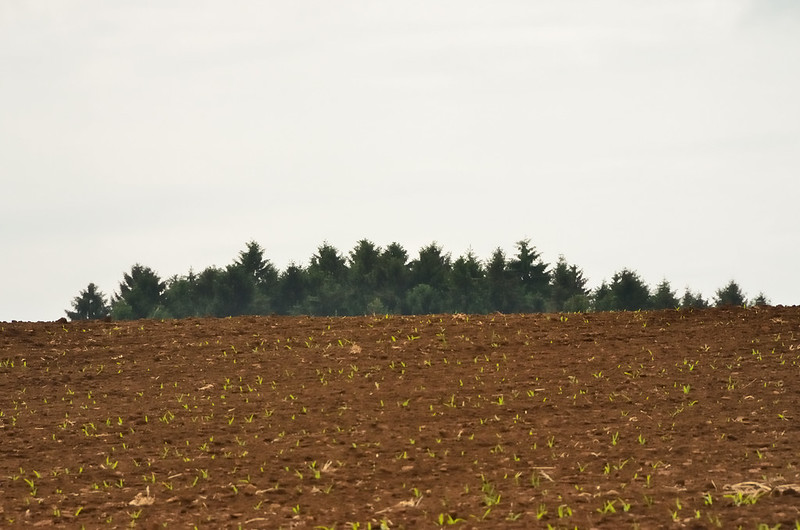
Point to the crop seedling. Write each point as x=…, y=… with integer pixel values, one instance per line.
x=448, y=519
x=490, y=496
x=740, y=498
x=608, y=507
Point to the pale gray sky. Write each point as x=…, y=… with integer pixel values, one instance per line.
x=659, y=136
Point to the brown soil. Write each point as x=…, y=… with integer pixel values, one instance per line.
x=657, y=419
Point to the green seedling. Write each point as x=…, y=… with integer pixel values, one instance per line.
x=448, y=519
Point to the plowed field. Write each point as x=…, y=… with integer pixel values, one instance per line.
x=606, y=420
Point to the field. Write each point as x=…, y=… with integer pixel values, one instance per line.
x=607, y=420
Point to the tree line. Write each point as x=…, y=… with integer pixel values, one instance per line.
x=374, y=280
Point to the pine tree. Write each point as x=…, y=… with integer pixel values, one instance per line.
x=432, y=267
x=693, y=300
x=363, y=272
x=729, y=295
x=760, y=300
x=501, y=285
x=467, y=284
x=567, y=284
x=327, y=280
x=664, y=297
x=90, y=304
x=292, y=289
x=530, y=278
x=630, y=292
x=139, y=295
x=393, y=277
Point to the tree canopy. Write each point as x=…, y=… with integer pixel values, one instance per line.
x=90, y=304
x=140, y=294
x=369, y=279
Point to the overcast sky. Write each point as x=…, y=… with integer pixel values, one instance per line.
x=659, y=136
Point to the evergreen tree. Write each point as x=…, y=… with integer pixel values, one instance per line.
x=253, y=263
x=467, y=291
x=579, y=303
x=180, y=296
x=90, y=304
x=760, y=300
x=327, y=274
x=363, y=271
x=729, y=295
x=664, y=297
x=629, y=290
x=292, y=288
x=327, y=262
x=206, y=292
x=603, y=298
x=234, y=292
x=423, y=299
x=567, y=284
x=500, y=284
x=432, y=267
x=139, y=294
x=531, y=280
x=693, y=300
x=429, y=280
x=263, y=278
x=393, y=277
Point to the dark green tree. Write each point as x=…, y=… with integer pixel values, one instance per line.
x=292, y=289
x=432, y=267
x=501, y=285
x=423, y=299
x=363, y=275
x=263, y=276
x=430, y=276
x=579, y=303
x=90, y=304
x=254, y=264
x=729, y=295
x=327, y=282
x=206, y=292
x=180, y=298
x=630, y=292
x=760, y=300
x=393, y=278
x=664, y=297
x=693, y=300
x=234, y=292
x=328, y=261
x=467, y=285
x=531, y=278
x=603, y=298
x=568, y=290
x=139, y=294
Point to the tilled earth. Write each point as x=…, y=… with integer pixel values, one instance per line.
x=604, y=420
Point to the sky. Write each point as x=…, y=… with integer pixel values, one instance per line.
x=662, y=137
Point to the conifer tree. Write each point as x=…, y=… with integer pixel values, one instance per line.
x=664, y=297
x=729, y=295
x=90, y=304
x=139, y=294
x=567, y=284
x=630, y=292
